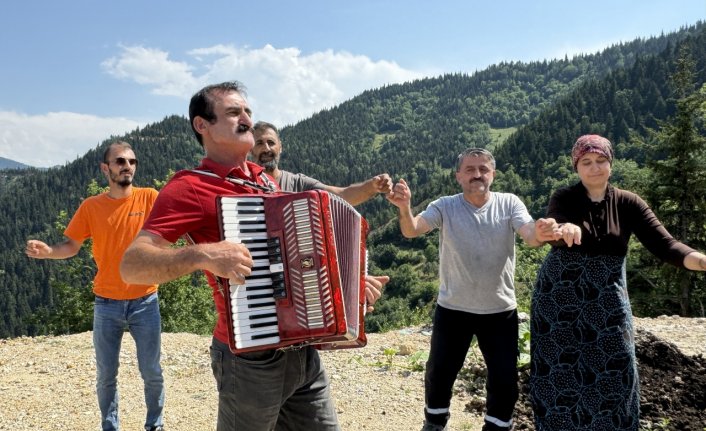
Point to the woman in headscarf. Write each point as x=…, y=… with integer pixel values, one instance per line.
x=583, y=370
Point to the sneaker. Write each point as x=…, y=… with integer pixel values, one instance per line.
x=428, y=426
x=159, y=428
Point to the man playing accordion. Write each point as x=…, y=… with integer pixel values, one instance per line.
x=257, y=390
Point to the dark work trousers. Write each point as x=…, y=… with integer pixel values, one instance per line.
x=280, y=390
x=451, y=338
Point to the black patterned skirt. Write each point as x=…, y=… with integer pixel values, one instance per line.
x=583, y=370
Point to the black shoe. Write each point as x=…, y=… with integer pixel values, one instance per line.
x=159, y=428
x=487, y=426
x=428, y=426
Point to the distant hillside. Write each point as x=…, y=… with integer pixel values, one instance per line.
x=412, y=130
x=32, y=202
x=415, y=130
x=11, y=164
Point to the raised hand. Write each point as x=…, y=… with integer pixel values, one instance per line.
x=37, y=249
x=401, y=195
x=382, y=183
x=373, y=289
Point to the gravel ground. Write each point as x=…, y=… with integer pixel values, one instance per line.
x=47, y=383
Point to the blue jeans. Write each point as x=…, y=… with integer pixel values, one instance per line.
x=272, y=390
x=111, y=317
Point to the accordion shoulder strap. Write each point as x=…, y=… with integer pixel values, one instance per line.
x=269, y=186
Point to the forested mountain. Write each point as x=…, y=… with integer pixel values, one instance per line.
x=32, y=201
x=11, y=164
x=624, y=106
x=416, y=129
x=413, y=130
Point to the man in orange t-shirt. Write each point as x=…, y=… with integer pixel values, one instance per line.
x=113, y=219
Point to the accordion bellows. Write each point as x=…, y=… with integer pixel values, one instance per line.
x=307, y=284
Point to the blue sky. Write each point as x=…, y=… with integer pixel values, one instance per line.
x=75, y=72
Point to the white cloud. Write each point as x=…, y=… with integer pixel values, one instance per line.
x=57, y=137
x=151, y=67
x=284, y=85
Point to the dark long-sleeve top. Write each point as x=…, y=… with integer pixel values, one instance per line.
x=606, y=226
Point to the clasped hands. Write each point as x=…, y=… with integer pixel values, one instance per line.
x=547, y=229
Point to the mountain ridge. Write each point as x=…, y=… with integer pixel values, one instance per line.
x=12, y=164
x=412, y=130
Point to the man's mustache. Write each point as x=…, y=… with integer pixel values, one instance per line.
x=269, y=154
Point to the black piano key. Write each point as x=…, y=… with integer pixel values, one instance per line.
x=262, y=325
x=256, y=288
x=266, y=335
x=261, y=316
x=265, y=295
x=260, y=305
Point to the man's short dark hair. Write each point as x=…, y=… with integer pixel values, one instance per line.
x=201, y=104
x=474, y=152
x=109, y=148
x=264, y=125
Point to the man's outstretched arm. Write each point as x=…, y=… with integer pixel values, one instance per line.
x=151, y=260
x=358, y=193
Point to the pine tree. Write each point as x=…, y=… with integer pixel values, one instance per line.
x=679, y=184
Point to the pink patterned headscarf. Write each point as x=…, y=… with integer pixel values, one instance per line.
x=591, y=144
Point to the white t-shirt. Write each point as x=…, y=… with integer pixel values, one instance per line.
x=477, y=251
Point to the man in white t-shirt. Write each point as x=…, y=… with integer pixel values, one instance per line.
x=476, y=290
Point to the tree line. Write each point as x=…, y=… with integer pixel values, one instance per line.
x=628, y=92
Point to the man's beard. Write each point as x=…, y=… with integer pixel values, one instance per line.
x=122, y=182
x=270, y=165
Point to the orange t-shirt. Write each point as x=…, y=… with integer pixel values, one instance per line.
x=113, y=224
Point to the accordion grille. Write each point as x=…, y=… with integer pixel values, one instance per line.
x=347, y=233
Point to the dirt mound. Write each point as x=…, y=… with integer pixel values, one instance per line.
x=673, y=386
x=672, y=394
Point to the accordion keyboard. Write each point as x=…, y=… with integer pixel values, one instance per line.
x=306, y=285
x=253, y=303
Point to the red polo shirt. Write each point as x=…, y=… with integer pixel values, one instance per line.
x=187, y=205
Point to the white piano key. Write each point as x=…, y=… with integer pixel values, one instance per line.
x=250, y=336
x=243, y=332
x=245, y=340
x=258, y=342
x=235, y=199
x=261, y=263
x=254, y=282
x=240, y=325
x=257, y=253
x=256, y=321
x=258, y=273
x=239, y=307
x=254, y=314
x=243, y=302
x=243, y=219
x=232, y=234
x=243, y=226
x=247, y=329
x=243, y=294
x=238, y=206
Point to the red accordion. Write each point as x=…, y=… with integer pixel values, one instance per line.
x=307, y=284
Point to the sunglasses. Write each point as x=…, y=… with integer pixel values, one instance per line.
x=123, y=161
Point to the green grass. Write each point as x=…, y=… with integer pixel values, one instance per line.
x=499, y=136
